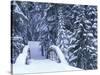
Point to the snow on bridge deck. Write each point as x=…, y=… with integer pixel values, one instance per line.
x=38, y=66
x=35, y=49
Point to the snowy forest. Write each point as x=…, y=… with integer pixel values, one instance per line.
x=73, y=28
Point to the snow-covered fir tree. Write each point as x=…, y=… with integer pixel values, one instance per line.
x=73, y=28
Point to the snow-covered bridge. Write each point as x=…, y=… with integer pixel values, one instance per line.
x=37, y=63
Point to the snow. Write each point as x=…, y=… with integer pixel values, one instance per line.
x=94, y=25
x=18, y=10
x=40, y=65
x=60, y=54
x=90, y=34
x=84, y=34
x=22, y=57
x=17, y=37
x=35, y=49
x=73, y=58
x=21, y=20
x=87, y=21
x=72, y=46
x=92, y=48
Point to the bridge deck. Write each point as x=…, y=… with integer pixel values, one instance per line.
x=35, y=49
x=38, y=66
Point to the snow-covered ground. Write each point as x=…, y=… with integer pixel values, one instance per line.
x=35, y=49
x=40, y=65
x=22, y=57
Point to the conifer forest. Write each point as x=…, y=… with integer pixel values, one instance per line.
x=71, y=27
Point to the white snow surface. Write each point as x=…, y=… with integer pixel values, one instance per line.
x=22, y=57
x=60, y=54
x=35, y=49
x=40, y=65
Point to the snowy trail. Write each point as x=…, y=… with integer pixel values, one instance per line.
x=38, y=66
x=35, y=49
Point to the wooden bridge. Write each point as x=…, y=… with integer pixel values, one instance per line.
x=31, y=60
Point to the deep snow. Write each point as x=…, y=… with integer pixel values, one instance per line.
x=38, y=66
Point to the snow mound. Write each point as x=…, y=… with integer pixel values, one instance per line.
x=59, y=53
x=22, y=57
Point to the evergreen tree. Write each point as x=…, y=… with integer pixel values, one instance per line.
x=73, y=28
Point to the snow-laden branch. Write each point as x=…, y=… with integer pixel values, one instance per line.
x=45, y=12
x=18, y=10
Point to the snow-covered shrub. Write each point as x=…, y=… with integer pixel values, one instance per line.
x=84, y=54
x=17, y=47
x=73, y=28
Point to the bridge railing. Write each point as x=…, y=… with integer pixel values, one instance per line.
x=54, y=53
